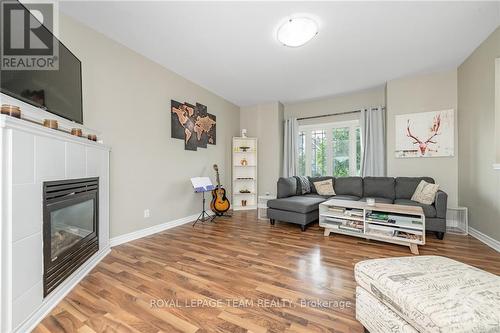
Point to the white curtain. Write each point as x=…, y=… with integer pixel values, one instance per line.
x=372, y=124
x=291, y=133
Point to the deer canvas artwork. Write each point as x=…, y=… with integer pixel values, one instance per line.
x=425, y=134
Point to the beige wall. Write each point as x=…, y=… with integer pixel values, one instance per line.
x=265, y=122
x=423, y=93
x=497, y=110
x=335, y=104
x=478, y=183
x=408, y=95
x=127, y=98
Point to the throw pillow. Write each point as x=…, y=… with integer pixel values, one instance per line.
x=303, y=185
x=313, y=180
x=287, y=187
x=324, y=187
x=425, y=193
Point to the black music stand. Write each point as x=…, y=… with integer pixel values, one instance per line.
x=202, y=185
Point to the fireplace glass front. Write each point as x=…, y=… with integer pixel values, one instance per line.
x=70, y=227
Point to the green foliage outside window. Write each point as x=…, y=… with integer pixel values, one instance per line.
x=341, y=152
x=318, y=167
x=316, y=159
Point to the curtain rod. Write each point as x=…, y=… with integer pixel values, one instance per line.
x=333, y=114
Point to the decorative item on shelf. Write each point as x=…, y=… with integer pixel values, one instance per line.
x=244, y=162
x=92, y=137
x=370, y=201
x=76, y=132
x=245, y=191
x=244, y=148
x=243, y=132
x=11, y=110
x=243, y=203
x=50, y=123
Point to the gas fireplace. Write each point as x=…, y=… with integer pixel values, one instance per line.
x=70, y=227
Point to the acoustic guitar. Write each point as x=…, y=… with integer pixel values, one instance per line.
x=219, y=203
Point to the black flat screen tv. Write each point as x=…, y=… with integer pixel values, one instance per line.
x=57, y=91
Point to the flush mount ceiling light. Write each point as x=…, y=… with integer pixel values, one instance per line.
x=297, y=31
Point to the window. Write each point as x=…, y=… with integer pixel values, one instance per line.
x=330, y=149
x=318, y=153
x=341, y=151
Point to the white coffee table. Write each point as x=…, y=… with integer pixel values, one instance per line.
x=397, y=224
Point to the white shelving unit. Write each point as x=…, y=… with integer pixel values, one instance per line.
x=244, y=174
x=353, y=218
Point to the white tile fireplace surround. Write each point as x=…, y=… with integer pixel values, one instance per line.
x=31, y=154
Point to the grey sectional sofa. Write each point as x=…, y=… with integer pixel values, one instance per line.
x=291, y=206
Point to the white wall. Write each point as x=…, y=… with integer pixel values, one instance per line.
x=127, y=98
x=497, y=110
x=423, y=93
x=478, y=183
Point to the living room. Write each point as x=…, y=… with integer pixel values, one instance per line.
x=356, y=153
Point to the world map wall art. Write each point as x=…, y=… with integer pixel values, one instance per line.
x=193, y=124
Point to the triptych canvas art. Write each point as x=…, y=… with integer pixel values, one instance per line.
x=193, y=124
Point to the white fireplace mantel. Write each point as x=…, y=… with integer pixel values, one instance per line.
x=30, y=155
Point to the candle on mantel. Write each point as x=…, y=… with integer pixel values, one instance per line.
x=50, y=123
x=11, y=110
x=76, y=132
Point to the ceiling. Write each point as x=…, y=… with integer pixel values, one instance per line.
x=230, y=47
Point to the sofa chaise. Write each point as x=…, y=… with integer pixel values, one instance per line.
x=293, y=207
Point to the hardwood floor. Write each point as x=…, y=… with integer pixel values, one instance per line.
x=237, y=260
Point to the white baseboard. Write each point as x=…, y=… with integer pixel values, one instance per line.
x=493, y=243
x=58, y=294
x=152, y=230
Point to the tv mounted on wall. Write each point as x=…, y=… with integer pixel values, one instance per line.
x=57, y=91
